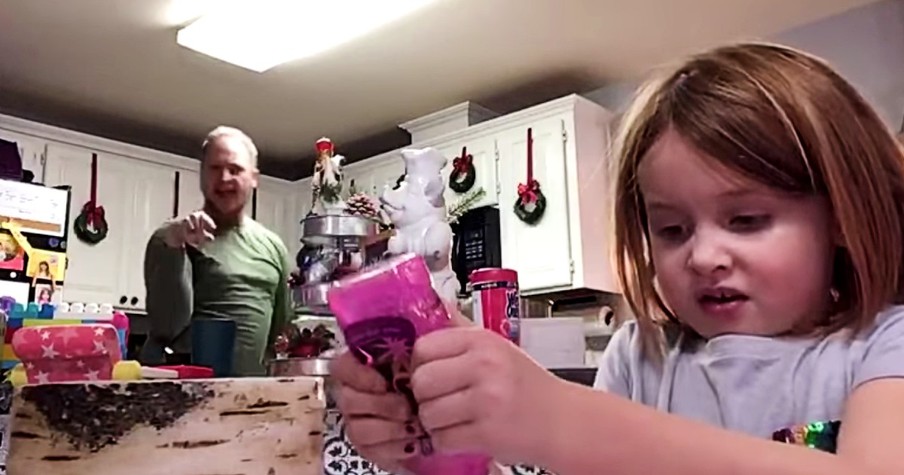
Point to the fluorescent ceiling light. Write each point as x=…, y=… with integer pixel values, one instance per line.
x=260, y=34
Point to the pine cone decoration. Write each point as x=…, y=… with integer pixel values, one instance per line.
x=360, y=204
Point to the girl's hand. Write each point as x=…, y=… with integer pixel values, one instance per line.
x=478, y=392
x=377, y=422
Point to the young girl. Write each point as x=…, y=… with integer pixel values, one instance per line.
x=759, y=224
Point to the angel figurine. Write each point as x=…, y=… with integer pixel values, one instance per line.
x=326, y=184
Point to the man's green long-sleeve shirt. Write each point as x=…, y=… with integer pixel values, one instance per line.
x=241, y=275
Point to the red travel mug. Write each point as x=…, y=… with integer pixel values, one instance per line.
x=497, y=301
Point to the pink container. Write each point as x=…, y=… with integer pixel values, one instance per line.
x=382, y=311
x=64, y=353
x=497, y=301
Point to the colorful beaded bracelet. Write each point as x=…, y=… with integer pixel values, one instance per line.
x=817, y=435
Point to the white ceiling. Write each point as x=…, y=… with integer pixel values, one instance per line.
x=112, y=67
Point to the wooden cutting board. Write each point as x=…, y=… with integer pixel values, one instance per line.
x=248, y=426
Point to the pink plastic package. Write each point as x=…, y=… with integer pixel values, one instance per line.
x=382, y=311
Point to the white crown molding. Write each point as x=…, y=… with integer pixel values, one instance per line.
x=499, y=124
x=70, y=137
x=468, y=112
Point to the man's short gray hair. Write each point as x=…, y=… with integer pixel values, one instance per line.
x=224, y=131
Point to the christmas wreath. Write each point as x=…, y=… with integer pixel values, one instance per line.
x=531, y=203
x=91, y=225
x=463, y=173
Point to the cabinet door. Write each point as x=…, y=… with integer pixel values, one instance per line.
x=31, y=150
x=541, y=253
x=373, y=174
x=385, y=172
x=94, y=272
x=273, y=203
x=483, y=153
x=152, y=202
x=190, y=196
x=303, y=206
x=353, y=173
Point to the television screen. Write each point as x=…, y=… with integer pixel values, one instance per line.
x=37, y=209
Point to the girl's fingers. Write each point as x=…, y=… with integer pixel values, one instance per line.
x=451, y=410
x=439, y=378
x=459, y=438
x=373, y=432
x=348, y=371
x=389, y=406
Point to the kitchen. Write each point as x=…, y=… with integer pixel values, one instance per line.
x=144, y=177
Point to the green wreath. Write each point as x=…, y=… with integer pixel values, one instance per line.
x=91, y=225
x=531, y=203
x=463, y=173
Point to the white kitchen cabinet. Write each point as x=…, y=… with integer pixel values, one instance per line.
x=152, y=201
x=32, y=151
x=372, y=175
x=137, y=197
x=541, y=252
x=190, y=196
x=303, y=198
x=303, y=206
x=277, y=209
x=96, y=272
x=569, y=247
x=482, y=149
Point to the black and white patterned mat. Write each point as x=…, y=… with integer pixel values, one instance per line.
x=341, y=458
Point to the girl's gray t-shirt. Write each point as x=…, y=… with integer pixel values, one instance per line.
x=756, y=385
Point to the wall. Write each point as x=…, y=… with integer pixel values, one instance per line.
x=864, y=44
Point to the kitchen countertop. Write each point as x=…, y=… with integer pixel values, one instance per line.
x=584, y=376
x=339, y=457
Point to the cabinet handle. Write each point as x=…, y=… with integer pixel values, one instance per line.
x=176, y=194
x=254, y=204
x=123, y=300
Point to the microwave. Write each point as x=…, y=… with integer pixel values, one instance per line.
x=475, y=243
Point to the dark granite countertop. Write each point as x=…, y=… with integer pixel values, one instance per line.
x=584, y=376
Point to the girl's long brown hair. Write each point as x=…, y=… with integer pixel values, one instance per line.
x=785, y=119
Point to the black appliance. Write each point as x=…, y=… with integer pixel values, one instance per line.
x=476, y=242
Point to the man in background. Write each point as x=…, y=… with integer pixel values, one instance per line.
x=217, y=262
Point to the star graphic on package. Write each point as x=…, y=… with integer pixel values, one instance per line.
x=92, y=375
x=49, y=352
x=395, y=349
x=43, y=378
x=68, y=334
x=99, y=331
x=99, y=346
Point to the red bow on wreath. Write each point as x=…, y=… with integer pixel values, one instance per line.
x=528, y=192
x=94, y=214
x=460, y=164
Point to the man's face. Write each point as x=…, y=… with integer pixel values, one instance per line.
x=228, y=176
